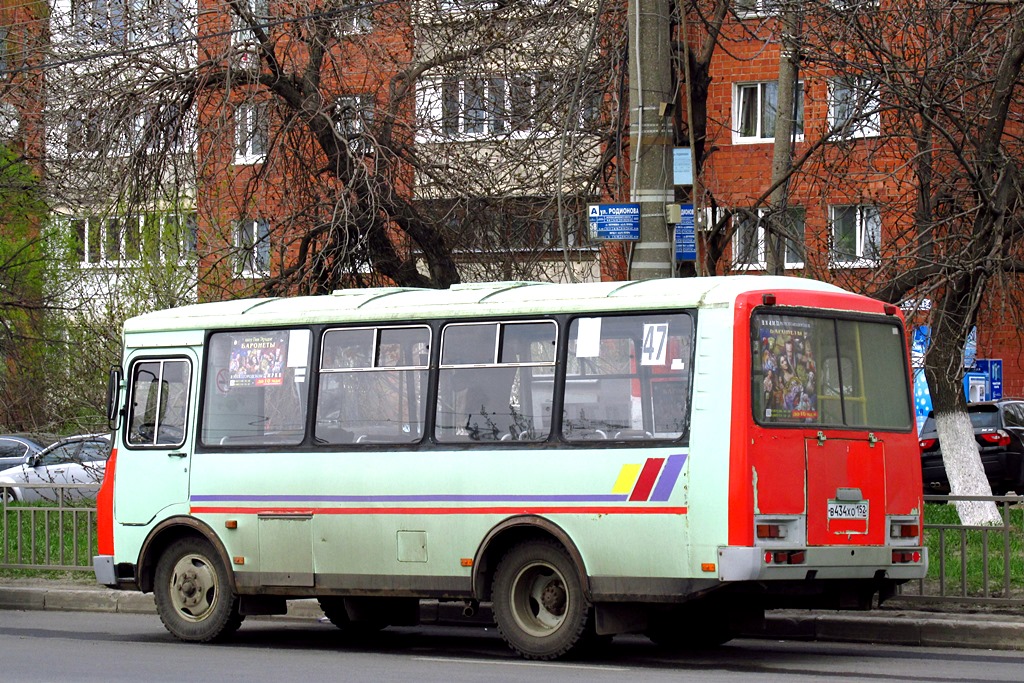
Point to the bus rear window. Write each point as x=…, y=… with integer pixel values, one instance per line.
x=828, y=372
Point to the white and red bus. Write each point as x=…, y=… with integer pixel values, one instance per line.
x=668, y=457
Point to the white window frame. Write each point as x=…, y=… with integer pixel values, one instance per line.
x=510, y=106
x=250, y=238
x=756, y=8
x=761, y=260
x=96, y=243
x=865, y=118
x=352, y=113
x=867, y=225
x=355, y=17
x=760, y=135
x=252, y=133
x=853, y=5
x=241, y=31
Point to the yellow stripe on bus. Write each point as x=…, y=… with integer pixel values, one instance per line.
x=627, y=478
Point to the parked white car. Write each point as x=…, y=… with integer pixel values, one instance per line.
x=75, y=460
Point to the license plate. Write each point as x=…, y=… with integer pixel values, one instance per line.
x=847, y=510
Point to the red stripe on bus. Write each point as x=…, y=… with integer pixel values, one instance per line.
x=645, y=483
x=443, y=511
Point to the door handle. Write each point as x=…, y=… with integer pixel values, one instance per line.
x=176, y=454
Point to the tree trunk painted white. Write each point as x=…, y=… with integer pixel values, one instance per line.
x=962, y=461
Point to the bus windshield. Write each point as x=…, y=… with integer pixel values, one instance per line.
x=829, y=372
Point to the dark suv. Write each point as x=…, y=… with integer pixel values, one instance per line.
x=998, y=428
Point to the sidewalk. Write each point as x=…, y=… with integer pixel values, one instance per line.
x=996, y=630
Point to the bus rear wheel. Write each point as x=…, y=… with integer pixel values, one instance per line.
x=538, y=601
x=193, y=593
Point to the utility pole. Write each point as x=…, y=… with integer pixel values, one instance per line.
x=650, y=136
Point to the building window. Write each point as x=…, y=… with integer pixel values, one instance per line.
x=355, y=16
x=756, y=7
x=473, y=106
x=756, y=108
x=353, y=115
x=853, y=110
x=252, y=247
x=242, y=28
x=151, y=237
x=480, y=106
x=251, y=133
x=856, y=236
x=463, y=6
x=750, y=251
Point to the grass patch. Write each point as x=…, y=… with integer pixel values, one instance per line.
x=974, y=563
x=40, y=534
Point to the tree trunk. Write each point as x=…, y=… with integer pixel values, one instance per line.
x=960, y=454
x=785, y=120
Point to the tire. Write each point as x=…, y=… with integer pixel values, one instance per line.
x=193, y=593
x=538, y=601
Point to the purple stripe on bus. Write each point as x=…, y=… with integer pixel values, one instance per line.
x=414, y=498
x=667, y=480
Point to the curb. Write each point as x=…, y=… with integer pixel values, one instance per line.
x=893, y=627
x=896, y=628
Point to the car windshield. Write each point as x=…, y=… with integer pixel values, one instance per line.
x=981, y=418
x=985, y=419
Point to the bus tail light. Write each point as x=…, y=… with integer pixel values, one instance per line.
x=903, y=531
x=906, y=556
x=785, y=557
x=771, y=531
x=780, y=531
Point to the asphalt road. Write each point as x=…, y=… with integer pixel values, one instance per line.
x=81, y=647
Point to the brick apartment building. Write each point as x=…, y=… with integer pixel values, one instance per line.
x=847, y=209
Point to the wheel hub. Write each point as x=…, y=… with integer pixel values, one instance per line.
x=553, y=598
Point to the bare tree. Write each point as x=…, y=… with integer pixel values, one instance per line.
x=922, y=130
x=328, y=144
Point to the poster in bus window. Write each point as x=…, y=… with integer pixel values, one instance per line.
x=788, y=370
x=258, y=360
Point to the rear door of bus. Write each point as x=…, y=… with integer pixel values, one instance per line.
x=153, y=462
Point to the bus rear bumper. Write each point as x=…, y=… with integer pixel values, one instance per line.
x=103, y=567
x=849, y=562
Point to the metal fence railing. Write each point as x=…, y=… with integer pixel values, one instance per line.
x=968, y=564
x=55, y=532
x=972, y=564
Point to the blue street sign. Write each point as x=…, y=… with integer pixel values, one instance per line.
x=686, y=237
x=614, y=221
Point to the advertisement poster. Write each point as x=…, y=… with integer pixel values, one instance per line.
x=788, y=370
x=258, y=360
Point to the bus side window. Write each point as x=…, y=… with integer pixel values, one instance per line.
x=158, y=403
x=495, y=382
x=256, y=388
x=372, y=385
x=628, y=377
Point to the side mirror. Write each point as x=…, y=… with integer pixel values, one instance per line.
x=113, y=398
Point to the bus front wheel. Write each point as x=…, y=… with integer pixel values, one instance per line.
x=538, y=601
x=193, y=593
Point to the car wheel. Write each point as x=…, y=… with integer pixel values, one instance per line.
x=7, y=496
x=538, y=601
x=193, y=593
